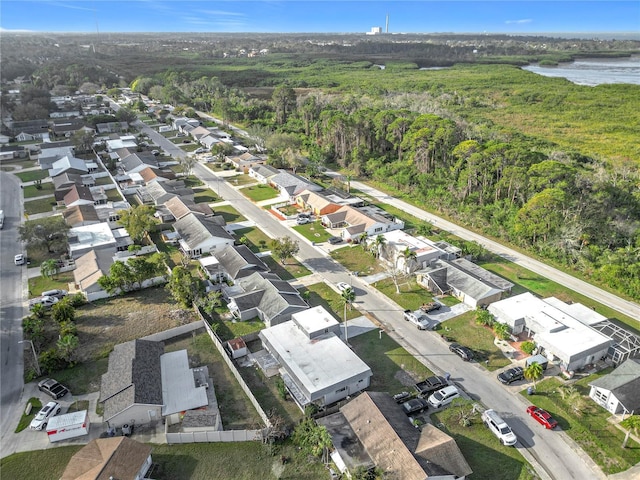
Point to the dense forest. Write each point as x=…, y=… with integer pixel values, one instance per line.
x=538, y=162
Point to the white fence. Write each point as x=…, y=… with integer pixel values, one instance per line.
x=215, y=436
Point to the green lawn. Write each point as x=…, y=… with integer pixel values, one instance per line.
x=192, y=181
x=230, y=214
x=484, y=453
x=82, y=377
x=42, y=205
x=228, y=330
x=205, y=195
x=260, y=192
x=40, y=284
x=355, y=259
x=240, y=179
x=257, y=240
x=410, y=222
x=387, y=360
x=313, y=232
x=292, y=269
x=322, y=294
x=189, y=147
x=600, y=439
x=25, y=419
x=104, y=181
x=411, y=294
x=32, y=175
x=175, y=255
x=33, y=191
x=113, y=195
x=464, y=330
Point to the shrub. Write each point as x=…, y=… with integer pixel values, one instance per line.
x=50, y=361
x=528, y=347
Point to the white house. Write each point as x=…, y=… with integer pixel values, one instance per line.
x=200, y=235
x=317, y=366
x=364, y=221
x=619, y=391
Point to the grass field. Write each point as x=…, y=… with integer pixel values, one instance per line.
x=58, y=281
x=323, y=295
x=411, y=295
x=25, y=419
x=104, y=181
x=599, y=438
x=230, y=214
x=32, y=175
x=257, y=240
x=355, y=259
x=205, y=195
x=292, y=269
x=42, y=205
x=260, y=192
x=314, y=232
x=33, y=191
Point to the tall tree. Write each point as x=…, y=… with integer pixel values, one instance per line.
x=284, y=102
x=138, y=221
x=184, y=287
x=533, y=372
x=48, y=232
x=284, y=247
x=49, y=268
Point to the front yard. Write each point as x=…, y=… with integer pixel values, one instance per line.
x=41, y=205
x=260, y=192
x=356, y=259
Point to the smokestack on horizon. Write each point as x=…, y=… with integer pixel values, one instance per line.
x=386, y=29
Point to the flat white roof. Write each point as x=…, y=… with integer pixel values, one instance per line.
x=318, y=363
x=516, y=307
x=404, y=240
x=67, y=419
x=571, y=342
x=314, y=319
x=95, y=235
x=207, y=261
x=179, y=391
x=580, y=312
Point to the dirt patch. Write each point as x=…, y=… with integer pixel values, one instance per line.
x=405, y=378
x=106, y=323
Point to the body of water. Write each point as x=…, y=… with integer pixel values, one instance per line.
x=594, y=71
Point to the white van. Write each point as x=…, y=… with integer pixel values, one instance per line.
x=499, y=427
x=444, y=396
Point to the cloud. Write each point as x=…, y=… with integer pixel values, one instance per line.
x=15, y=30
x=221, y=13
x=519, y=22
x=71, y=6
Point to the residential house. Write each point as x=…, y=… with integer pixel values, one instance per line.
x=373, y=429
x=51, y=152
x=361, y=222
x=65, y=128
x=108, y=459
x=112, y=127
x=317, y=366
x=79, y=195
x=9, y=152
x=30, y=130
x=68, y=164
x=263, y=173
x=245, y=161
x=136, y=162
x=199, y=132
x=316, y=202
x=97, y=236
x=468, y=282
x=181, y=123
x=563, y=332
x=619, y=391
x=158, y=192
x=263, y=295
x=209, y=141
x=80, y=215
x=119, y=142
x=398, y=242
x=290, y=185
x=178, y=207
x=90, y=267
x=233, y=262
x=150, y=173
x=200, y=235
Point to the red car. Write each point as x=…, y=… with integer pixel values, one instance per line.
x=542, y=417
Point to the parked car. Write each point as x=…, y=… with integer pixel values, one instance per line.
x=51, y=409
x=463, y=352
x=59, y=294
x=421, y=322
x=430, y=307
x=19, y=259
x=46, y=302
x=343, y=286
x=429, y=385
x=415, y=405
x=303, y=220
x=52, y=388
x=444, y=396
x=512, y=375
x=499, y=427
x=401, y=397
x=334, y=240
x=542, y=417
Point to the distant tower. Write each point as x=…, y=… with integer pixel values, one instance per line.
x=386, y=29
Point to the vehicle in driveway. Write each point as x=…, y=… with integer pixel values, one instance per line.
x=59, y=294
x=334, y=240
x=429, y=385
x=53, y=388
x=512, y=375
x=444, y=396
x=303, y=220
x=542, y=417
x=415, y=405
x=46, y=302
x=430, y=307
x=42, y=417
x=463, y=352
x=421, y=322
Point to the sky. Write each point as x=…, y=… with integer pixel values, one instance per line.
x=317, y=16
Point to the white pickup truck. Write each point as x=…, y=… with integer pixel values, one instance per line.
x=421, y=322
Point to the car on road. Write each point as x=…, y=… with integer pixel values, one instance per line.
x=463, y=352
x=343, y=287
x=542, y=417
x=499, y=427
x=59, y=294
x=512, y=375
x=430, y=385
x=19, y=259
x=415, y=405
x=334, y=240
x=53, y=388
x=51, y=409
x=444, y=396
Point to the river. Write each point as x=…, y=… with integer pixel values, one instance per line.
x=594, y=71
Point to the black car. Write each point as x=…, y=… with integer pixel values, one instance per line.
x=52, y=388
x=416, y=405
x=334, y=240
x=429, y=385
x=463, y=352
x=512, y=375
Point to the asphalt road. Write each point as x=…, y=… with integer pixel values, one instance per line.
x=555, y=456
x=11, y=304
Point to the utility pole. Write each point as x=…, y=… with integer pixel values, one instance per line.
x=33, y=349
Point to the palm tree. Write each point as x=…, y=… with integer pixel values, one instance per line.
x=533, y=372
x=348, y=296
x=67, y=346
x=49, y=268
x=378, y=245
x=409, y=257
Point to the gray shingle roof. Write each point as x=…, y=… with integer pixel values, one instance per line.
x=239, y=261
x=133, y=376
x=624, y=383
x=195, y=229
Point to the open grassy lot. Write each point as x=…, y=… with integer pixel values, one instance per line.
x=104, y=181
x=478, y=445
x=463, y=330
x=411, y=294
x=292, y=269
x=195, y=461
x=323, y=295
x=526, y=280
x=228, y=329
x=32, y=175
x=313, y=232
x=260, y=192
x=19, y=163
x=205, y=195
x=394, y=369
x=240, y=180
x=410, y=222
x=236, y=410
x=42, y=205
x=355, y=259
x=230, y=214
x=61, y=281
x=33, y=191
x=192, y=181
x=256, y=239
x=188, y=147
x=600, y=439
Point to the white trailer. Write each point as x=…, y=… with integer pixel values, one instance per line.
x=70, y=425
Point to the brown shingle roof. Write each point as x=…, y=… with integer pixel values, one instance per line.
x=80, y=213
